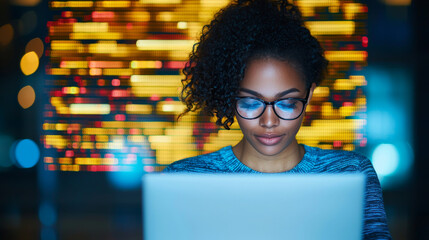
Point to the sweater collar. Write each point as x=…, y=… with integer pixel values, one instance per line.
x=235, y=165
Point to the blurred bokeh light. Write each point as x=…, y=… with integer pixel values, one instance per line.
x=6, y=143
x=29, y=63
x=6, y=34
x=26, y=153
x=26, y=97
x=35, y=45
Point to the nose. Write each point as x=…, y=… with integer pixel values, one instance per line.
x=269, y=118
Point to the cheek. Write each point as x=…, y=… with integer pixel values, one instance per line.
x=247, y=126
x=294, y=126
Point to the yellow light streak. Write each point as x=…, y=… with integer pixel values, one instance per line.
x=56, y=141
x=307, y=7
x=96, y=161
x=344, y=84
x=156, y=80
x=89, y=109
x=95, y=71
x=114, y=4
x=71, y=168
x=136, y=139
x=138, y=108
x=350, y=10
x=145, y=64
x=87, y=145
x=331, y=27
x=341, y=56
x=98, y=131
x=153, y=131
x=157, y=91
x=123, y=124
x=347, y=111
x=71, y=90
x=65, y=160
x=170, y=107
x=107, y=64
x=158, y=2
x=117, y=72
x=153, y=45
x=330, y=130
x=74, y=64
x=61, y=126
x=182, y=25
x=103, y=47
x=358, y=80
x=96, y=35
x=222, y=139
x=59, y=71
x=90, y=27
x=321, y=92
x=71, y=4
x=102, y=138
x=65, y=45
x=48, y=160
x=138, y=16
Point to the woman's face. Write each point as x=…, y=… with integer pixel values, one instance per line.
x=269, y=80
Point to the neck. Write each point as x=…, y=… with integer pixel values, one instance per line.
x=281, y=162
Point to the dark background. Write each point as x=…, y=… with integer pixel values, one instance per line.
x=87, y=206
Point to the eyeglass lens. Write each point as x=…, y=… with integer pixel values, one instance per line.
x=253, y=108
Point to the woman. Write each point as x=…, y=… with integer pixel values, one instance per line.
x=257, y=62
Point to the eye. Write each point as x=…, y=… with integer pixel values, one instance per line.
x=248, y=103
x=287, y=104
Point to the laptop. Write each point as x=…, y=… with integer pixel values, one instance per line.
x=252, y=206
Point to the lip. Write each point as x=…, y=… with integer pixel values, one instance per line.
x=269, y=139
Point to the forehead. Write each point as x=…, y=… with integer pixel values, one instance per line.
x=270, y=76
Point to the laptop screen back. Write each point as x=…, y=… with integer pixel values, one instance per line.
x=235, y=206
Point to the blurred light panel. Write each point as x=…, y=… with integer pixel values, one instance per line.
x=26, y=153
x=115, y=78
x=47, y=214
x=390, y=124
x=6, y=142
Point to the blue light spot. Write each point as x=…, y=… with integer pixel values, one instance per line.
x=27, y=153
x=385, y=159
x=47, y=214
x=127, y=179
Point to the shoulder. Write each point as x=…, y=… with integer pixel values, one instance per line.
x=211, y=162
x=339, y=160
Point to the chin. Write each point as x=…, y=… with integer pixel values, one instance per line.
x=269, y=150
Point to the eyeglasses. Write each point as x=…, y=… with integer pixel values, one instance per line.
x=285, y=108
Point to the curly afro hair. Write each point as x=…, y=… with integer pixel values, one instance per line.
x=239, y=33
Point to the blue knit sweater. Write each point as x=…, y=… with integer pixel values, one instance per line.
x=315, y=160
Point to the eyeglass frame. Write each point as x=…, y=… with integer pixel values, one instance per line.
x=303, y=100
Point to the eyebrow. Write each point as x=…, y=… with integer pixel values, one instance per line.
x=280, y=94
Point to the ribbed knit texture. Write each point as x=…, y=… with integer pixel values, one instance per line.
x=315, y=160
